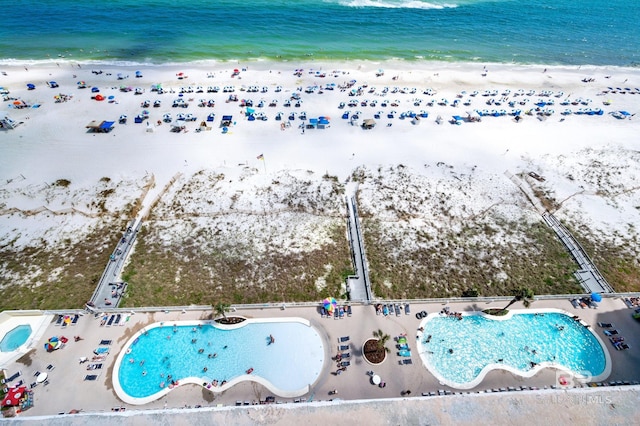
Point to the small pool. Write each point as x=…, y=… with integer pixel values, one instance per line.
x=15, y=338
x=204, y=352
x=460, y=352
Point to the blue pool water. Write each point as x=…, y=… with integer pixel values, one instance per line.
x=477, y=341
x=15, y=338
x=292, y=362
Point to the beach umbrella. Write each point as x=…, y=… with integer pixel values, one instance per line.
x=31, y=86
x=596, y=297
x=99, y=98
x=330, y=304
x=52, y=344
x=13, y=396
x=95, y=89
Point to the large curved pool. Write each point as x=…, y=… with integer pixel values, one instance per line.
x=460, y=352
x=15, y=338
x=165, y=355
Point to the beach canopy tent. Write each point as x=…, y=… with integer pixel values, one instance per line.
x=7, y=123
x=52, y=84
x=31, y=86
x=323, y=122
x=99, y=97
x=14, y=396
x=369, y=123
x=95, y=90
x=138, y=74
x=227, y=120
x=100, y=127
x=82, y=85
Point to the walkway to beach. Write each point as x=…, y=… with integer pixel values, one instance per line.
x=358, y=285
x=108, y=291
x=588, y=275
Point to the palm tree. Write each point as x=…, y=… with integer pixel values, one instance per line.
x=220, y=309
x=523, y=294
x=382, y=340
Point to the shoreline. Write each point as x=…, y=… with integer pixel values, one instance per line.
x=287, y=64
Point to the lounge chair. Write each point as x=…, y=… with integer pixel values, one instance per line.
x=346, y=355
x=344, y=339
x=91, y=377
x=59, y=319
x=610, y=332
x=344, y=347
x=101, y=350
x=12, y=378
x=36, y=373
x=348, y=310
x=75, y=319
x=575, y=304
x=407, y=361
x=345, y=363
x=117, y=320
x=33, y=385
x=407, y=310
x=404, y=352
x=111, y=318
x=105, y=342
x=397, y=309
x=622, y=346
x=50, y=367
x=94, y=367
x=605, y=324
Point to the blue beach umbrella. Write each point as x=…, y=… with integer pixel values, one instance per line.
x=596, y=297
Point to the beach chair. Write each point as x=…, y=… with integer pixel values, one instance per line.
x=91, y=377
x=102, y=350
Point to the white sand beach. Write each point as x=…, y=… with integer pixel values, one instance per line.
x=588, y=162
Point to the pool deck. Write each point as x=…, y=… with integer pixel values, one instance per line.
x=68, y=391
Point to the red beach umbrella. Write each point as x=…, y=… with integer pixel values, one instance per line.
x=13, y=396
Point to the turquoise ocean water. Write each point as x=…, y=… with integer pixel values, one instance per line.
x=563, y=32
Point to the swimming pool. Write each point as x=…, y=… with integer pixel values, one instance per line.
x=15, y=338
x=460, y=352
x=202, y=352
